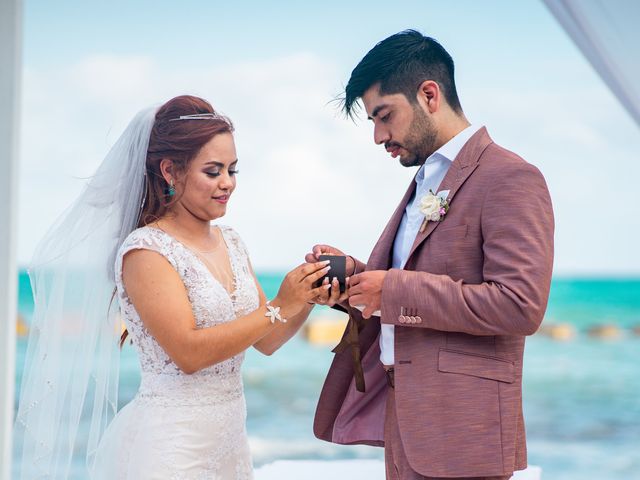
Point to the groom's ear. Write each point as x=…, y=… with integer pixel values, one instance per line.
x=429, y=96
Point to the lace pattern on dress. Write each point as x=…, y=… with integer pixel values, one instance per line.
x=211, y=303
x=208, y=405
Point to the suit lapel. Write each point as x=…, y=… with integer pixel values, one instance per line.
x=380, y=258
x=462, y=167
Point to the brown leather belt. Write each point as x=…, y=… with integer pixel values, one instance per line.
x=390, y=376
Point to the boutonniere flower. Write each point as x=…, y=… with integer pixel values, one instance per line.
x=434, y=206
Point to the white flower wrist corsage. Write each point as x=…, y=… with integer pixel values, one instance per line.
x=274, y=314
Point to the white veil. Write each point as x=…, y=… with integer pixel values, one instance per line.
x=69, y=389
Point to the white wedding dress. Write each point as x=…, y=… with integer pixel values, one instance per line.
x=181, y=426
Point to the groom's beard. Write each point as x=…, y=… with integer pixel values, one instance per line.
x=420, y=141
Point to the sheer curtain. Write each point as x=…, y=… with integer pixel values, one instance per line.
x=608, y=34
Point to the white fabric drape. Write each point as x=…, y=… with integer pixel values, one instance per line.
x=608, y=34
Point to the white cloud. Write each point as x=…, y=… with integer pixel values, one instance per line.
x=587, y=147
x=308, y=175
x=305, y=174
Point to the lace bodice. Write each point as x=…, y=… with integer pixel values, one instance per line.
x=179, y=426
x=211, y=303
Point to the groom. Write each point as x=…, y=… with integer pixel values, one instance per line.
x=459, y=278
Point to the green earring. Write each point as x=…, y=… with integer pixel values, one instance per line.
x=170, y=190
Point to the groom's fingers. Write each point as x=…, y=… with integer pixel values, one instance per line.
x=354, y=285
x=347, y=285
x=310, y=258
x=325, y=249
x=367, y=312
x=355, y=300
x=319, y=250
x=316, y=251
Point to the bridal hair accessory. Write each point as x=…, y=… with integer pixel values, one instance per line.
x=274, y=313
x=434, y=207
x=200, y=116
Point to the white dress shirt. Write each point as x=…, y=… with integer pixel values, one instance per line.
x=428, y=178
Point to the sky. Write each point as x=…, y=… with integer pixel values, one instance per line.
x=308, y=175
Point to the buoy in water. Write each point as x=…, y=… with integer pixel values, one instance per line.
x=325, y=331
x=607, y=331
x=558, y=331
x=22, y=329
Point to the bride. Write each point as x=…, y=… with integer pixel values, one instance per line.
x=188, y=297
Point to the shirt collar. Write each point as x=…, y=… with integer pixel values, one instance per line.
x=450, y=150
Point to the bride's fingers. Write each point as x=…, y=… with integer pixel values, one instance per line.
x=302, y=271
x=311, y=278
x=334, y=297
x=320, y=292
x=345, y=295
x=323, y=298
x=307, y=269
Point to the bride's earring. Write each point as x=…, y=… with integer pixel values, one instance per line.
x=170, y=190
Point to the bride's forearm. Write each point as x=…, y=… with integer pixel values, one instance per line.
x=205, y=347
x=283, y=332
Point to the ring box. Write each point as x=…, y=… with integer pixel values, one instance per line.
x=338, y=264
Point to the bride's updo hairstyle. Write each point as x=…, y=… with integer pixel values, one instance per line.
x=179, y=139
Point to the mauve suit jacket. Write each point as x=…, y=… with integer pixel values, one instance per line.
x=476, y=284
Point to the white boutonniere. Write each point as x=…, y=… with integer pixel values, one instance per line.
x=434, y=206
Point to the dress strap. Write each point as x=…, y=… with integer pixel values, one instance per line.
x=145, y=238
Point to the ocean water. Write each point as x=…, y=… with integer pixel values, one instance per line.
x=581, y=397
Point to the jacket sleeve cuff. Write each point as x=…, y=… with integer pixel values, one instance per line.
x=399, y=307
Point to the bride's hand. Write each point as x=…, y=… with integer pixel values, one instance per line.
x=333, y=296
x=297, y=286
x=318, y=250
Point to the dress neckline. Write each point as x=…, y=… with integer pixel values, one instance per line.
x=231, y=294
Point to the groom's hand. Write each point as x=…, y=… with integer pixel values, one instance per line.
x=366, y=289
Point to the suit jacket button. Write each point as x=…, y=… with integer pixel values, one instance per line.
x=419, y=319
x=402, y=319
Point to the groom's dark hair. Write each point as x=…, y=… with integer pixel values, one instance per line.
x=400, y=63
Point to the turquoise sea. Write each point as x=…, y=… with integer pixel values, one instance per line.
x=581, y=396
